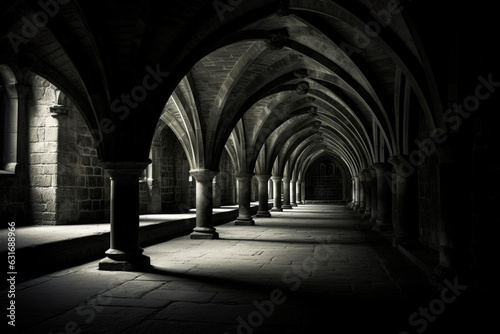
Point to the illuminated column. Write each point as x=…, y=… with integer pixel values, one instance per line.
x=124, y=253
x=245, y=187
x=216, y=190
x=286, y=193
x=204, y=205
x=270, y=189
x=263, y=196
x=277, y=193
x=299, y=192
x=356, y=192
x=293, y=193
x=362, y=197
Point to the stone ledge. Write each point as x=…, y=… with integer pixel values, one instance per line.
x=62, y=252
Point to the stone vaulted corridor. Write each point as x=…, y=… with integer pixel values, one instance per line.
x=283, y=166
x=314, y=269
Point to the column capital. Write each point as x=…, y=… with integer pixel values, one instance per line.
x=293, y=181
x=263, y=177
x=372, y=171
x=124, y=168
x=244, y=176
x=277, y=178
x=203, y=175
x=287, y=179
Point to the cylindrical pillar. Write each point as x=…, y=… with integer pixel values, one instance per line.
x=286, y=193
x=362, y=197
x=263, y=196
x=245, y=190
x=216, y=191
x=356, y=192
x=270, y=189
x=368, y=193
x=293, y=193
x=277, y=193
x=124, y=253
x=303, y=191
x=299, y=192
x=204, y=205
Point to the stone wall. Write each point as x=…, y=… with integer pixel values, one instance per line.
x=67, y=185
x=15, y=197
x=167, y=177
x=324, y=182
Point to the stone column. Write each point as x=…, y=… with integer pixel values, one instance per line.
x=373, y=187
x=361, y=191
x=245, y=189
x=299, y=192
x=405, y=223
x=303, y=190
x=383, y=197
x=124, y=253
x=204, y=205
x=356, y=193
x=277, y=193
x=237, y=190
x=270, y=189
x=216, y=191
x=286, y=193
x=368, y=193
x=263, y=196
x=293, y=194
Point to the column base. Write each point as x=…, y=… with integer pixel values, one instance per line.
x=276, y=209
x=293, y=204
x=204, y=233
x=122, y=261
x=264, y=214
x=240, y=221
x=286, y=206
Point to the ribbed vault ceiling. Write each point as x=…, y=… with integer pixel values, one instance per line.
x=268, y=81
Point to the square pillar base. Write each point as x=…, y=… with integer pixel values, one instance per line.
x=137, y=264
x=244, y=222
x=203, y=235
